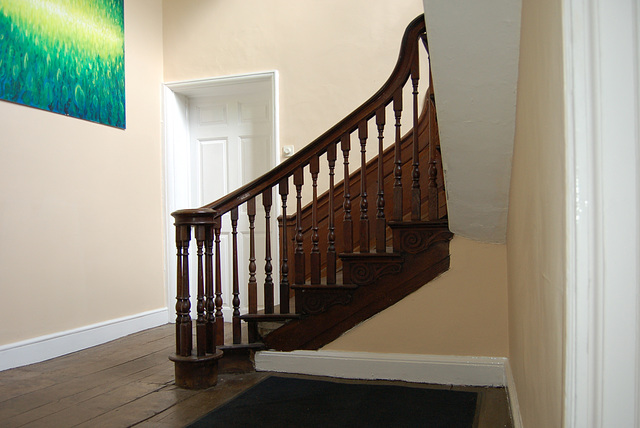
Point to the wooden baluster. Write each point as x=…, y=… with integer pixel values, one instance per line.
x=252, y=286
x=381, y=225
x=235, y=320
x=218, y=299
x=416, y=200
x=298, y=181
x=363, y=131
x=347, y=225
x=397, y=184
x=210, y=299
x=284, y=268
x=183, y=305
x=314, y=169
x=201, y=325
x=268, y=267
x=331, y=235
x=433, y=169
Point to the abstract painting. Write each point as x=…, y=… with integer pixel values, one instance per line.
x=64, y=56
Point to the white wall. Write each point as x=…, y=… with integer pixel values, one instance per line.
x=474, y=56
x=81, y=212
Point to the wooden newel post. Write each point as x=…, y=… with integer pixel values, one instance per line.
x=200, y=370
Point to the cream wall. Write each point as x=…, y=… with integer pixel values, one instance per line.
x=536, y=225
x=81, y=212
x=462, y=312
x=331, y=55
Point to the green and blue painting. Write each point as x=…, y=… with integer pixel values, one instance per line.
x=64, y=56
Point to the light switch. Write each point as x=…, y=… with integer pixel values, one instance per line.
x=287, y=151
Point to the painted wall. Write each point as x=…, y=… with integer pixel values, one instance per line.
x=536, y=234
x=80, y=218
x=462, y=312
x=474, y=55
x=331, y=55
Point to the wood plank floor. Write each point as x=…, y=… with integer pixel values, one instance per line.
x=129, y=382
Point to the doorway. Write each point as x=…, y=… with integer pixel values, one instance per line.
x=220, y=134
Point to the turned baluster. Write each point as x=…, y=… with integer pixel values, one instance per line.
x=284, y=268
x=314, y=169
x=381, y=225
x=397, y=172
x=347, y=226
x=201, y=325
x=201, y=220
x=199, y=371
x=415, y=185
x=209, y=293
x=268, y=267
x=218, y=299
x=433, y=169
x=298, y=181
x=363, y=131
x=252, y=286
x=183, y=304
x=235, y=320
x=331, y=235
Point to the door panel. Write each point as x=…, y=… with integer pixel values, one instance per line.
x=231, y=145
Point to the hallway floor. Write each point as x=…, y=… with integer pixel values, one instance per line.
x=129, y=382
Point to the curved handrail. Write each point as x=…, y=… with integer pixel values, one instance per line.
x=408, y=49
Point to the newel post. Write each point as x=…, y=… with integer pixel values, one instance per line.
x=200, y=370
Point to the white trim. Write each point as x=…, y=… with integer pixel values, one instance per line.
x=602, y=351
x=512, y=396
x=583, y=239
x=54, y=345
x=437, y=369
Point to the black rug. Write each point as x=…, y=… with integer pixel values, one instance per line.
x=292, y=402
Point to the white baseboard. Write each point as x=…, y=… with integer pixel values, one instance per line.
x=54, y=345
x=512, y=396
x=438, y=369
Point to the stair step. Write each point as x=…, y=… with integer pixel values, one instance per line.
x=238, y=358
x=365, y=268
x=269, y=317
x=430, y=224
x=324, y=287
x=317, y=298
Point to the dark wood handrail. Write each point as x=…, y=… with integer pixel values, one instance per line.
x=409, y=48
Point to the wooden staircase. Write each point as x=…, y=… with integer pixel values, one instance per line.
x=339, y=264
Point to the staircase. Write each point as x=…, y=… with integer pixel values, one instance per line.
x=373, y=236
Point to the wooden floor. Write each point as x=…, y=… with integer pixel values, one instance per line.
x=129, y=382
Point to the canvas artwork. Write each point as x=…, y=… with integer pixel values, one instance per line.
x=64, y=56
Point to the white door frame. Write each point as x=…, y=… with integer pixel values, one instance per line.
x=177, y=156
x=602, y=112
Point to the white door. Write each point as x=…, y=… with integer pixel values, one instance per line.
x=220, y=133
x=231, y=138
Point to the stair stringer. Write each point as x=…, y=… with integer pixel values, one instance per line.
x=315, y=331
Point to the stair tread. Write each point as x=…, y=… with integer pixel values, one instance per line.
x=324, y=286
x=254, y=346
x=390, y=255
x=269, y=317
x=421, y=224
